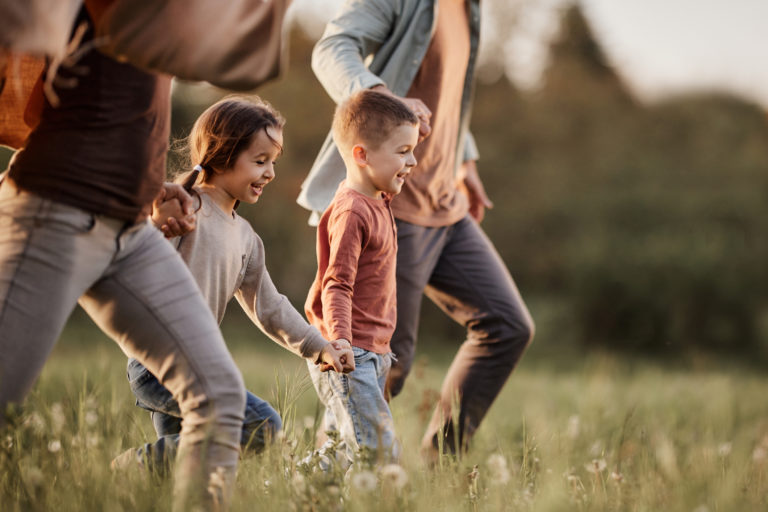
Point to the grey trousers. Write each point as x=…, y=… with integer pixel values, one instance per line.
x=137, y=289
x=458, y=268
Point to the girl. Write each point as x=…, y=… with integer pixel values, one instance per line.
x=235, y=144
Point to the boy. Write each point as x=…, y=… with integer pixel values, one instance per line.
x=353, y=295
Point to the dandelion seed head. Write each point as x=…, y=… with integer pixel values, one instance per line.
x=759, y=454
x=394, y=475
x=617, y=477
x=309, y=422
x=498, y=469
x=54, y=446
x=596, y=466
x=364, y=481
x=724, y=449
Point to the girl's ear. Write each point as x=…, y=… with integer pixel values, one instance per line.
x=360, y=155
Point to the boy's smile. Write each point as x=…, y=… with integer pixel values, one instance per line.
x=385, y=167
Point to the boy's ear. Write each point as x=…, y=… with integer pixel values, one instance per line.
x=360, y=155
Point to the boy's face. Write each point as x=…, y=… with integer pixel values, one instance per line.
x=389, y=164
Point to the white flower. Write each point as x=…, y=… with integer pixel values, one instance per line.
x=596, y=466
x=617, y=477
x=497, y=468
x=309, y=422
x=724, y=449
x=574, y=427
x=8, y=442
x=54, y=446
x=364, y=481
x=394, y=475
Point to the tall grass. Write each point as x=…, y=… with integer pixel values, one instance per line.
x=604, y=434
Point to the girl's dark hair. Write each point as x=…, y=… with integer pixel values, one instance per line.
x=225, y=130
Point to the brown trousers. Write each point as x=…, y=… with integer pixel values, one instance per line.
x=458, y=268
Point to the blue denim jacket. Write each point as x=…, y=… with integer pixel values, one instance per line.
x=372, y=42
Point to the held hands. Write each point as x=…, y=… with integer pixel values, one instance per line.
x=478, y=199
x=337, y=355
x=172, y=211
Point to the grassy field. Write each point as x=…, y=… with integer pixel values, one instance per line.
x=567, y=433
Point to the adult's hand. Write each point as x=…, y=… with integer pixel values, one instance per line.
x=478, y=199
x=417, y=106
x=172, y=211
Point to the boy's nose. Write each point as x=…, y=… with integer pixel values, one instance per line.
x=411, y=162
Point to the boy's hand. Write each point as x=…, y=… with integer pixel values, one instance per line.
x=338, y=356
x=172, y=211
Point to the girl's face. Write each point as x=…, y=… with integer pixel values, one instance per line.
x=253, y=169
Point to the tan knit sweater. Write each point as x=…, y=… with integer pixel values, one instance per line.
x=227, y=259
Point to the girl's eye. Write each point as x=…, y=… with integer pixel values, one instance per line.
x=260, y=162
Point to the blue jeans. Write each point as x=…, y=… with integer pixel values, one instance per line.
x=356, y=408
x=261, y=423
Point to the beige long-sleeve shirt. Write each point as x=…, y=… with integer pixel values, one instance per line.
x=227, y=259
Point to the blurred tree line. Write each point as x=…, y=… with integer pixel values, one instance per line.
x=642, y=226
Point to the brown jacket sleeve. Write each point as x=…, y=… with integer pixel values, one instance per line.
x=237, y=47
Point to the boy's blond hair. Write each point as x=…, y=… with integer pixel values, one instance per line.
x=368, y=117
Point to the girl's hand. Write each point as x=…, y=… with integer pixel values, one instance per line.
x=338, y=356
x=172, y=211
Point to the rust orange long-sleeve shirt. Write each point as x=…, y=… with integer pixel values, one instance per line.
x=353, y=295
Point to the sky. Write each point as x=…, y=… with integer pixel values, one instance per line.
x=660, y=47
